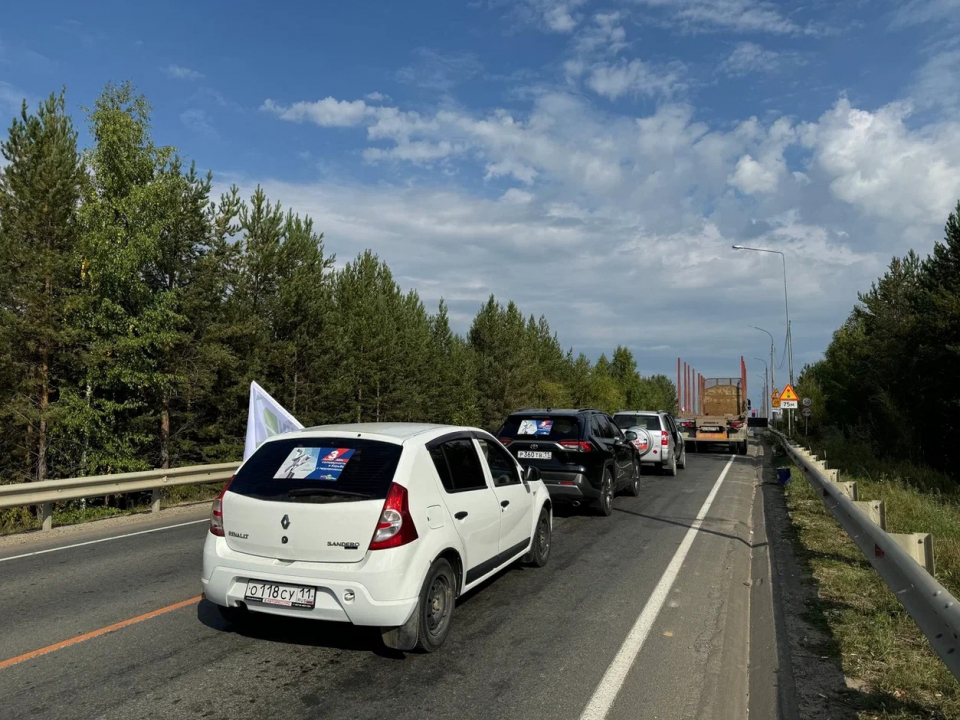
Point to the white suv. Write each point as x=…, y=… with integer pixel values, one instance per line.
x=381, y=524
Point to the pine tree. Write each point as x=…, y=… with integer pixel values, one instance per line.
x=39, y=191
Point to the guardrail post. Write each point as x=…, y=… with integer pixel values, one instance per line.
x=46, y=516
x=832, y=475
x=848, y=488
x=875, y=510
x=919, y=546
x=155, y=503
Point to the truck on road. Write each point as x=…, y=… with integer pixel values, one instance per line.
x=722, y=416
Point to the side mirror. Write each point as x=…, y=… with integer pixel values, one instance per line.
x=531, y=474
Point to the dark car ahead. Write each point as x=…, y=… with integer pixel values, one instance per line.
x=582, y=456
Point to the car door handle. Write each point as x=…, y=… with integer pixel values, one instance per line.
x=504, y=503
x=461, y=515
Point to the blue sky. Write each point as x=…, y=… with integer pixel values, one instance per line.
x=592, y=161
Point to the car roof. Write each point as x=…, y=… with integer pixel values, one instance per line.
x=394, y=432
x=553, y=411
x=639, y=412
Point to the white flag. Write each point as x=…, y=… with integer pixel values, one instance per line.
x=265, y=419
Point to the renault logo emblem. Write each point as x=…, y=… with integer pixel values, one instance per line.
x=285, y=523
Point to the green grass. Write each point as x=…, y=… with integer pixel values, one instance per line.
x=893, y=672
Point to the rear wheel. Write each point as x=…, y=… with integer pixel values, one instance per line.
x=605, y=501
x=671, y=469
x=683, y=459
x=437, y=598
x=542, y=537
x=743, y=448
x=633, y=489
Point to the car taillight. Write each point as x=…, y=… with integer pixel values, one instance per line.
x=664, y=439
x=505, y=441
x=576, y=446
x=396, y=526
x=216, y=512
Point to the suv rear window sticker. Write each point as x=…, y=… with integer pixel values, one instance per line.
x=314, y=463
x=535, y=427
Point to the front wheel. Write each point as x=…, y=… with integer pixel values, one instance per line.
x=437, y=598
x=540, y=547
x=605, y=502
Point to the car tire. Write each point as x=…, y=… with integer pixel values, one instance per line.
x=542, y=542
x=671, y=470
x=633, y=489
x=743, y=448
x=605, y=501
x=683, y=459
x=435, y=609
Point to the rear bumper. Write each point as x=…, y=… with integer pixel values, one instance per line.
x=658, y=456
x=226, y=572
x=568, y=486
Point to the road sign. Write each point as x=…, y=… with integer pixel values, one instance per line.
x=789, y=394
x=775, y=395
x=788, y=404
x=807, y=402
x=775, y=402
x=807, y=412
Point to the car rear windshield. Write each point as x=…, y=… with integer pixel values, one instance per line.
x=319, y=470
x=547, y=427
x=647, y=422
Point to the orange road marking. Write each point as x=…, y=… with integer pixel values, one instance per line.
x=96, y=633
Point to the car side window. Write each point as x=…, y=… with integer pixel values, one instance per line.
x=595, y=426
x=458, y=466
x=502, y=467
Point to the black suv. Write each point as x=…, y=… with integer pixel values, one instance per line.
x=582, y=455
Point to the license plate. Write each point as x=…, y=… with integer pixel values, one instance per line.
x=534, y=455
x=267, y=593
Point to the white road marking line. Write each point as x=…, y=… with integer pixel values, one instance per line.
x=102, y=540
x=609, y=687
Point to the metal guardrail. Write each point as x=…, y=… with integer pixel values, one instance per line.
x=47, y=492
x=932, y=607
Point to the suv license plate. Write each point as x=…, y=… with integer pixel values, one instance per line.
x=534, y=455
x=268, y=593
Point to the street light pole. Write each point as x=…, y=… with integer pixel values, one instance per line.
x=786, y=305
x=786, y=300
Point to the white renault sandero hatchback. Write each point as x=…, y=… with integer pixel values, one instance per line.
x=381, y=524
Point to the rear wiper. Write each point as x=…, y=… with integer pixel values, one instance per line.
x=309, y=492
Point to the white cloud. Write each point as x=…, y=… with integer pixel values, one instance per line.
x=749, y=57
x=376, y=97
x=198, y=121
x=752, y=177
x=876, y=162
x=328, y=112
x=558, y=16
x=651, y=202
x=938, y=81
x=918, y=12
x=635, y=77
x=183, y=73
x=735, y=15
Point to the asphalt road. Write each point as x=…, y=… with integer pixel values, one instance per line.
x=650, y=613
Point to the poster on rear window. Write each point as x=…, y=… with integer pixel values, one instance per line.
x=535, y=427
x=314, y=463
